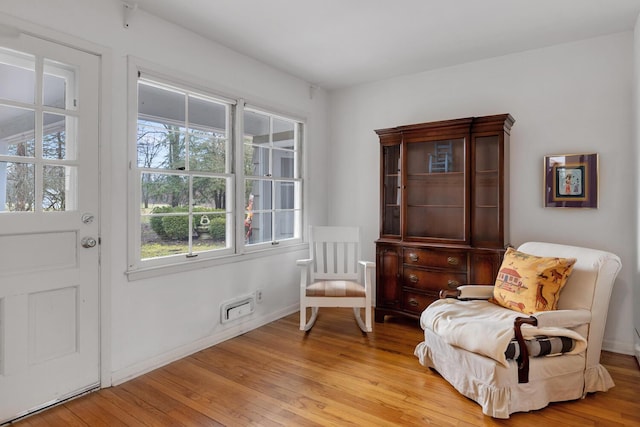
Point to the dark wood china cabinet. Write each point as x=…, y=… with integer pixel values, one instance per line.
x=444, y=209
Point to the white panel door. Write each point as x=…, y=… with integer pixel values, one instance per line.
x=49, y=228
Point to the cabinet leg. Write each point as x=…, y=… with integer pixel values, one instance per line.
x=379, y=316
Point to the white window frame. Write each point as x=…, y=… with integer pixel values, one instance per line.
x=297, y=179
x=140, y=269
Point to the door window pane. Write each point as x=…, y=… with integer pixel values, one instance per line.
x=17, y=187
x=57, y=85
x=17, y=131
x=59, y=137
x=58, y=190
x=18, y=69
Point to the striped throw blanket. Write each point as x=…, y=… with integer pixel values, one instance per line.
x=541, y=345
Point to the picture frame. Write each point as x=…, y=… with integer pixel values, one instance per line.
x=571, y=180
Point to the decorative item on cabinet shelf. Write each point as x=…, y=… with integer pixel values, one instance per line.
x=571, y=180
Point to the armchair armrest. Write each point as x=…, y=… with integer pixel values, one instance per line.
x=562, y=318
x=523, y=357
x=555, y=318
x=468, y=292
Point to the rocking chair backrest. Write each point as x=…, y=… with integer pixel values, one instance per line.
x=335, y=251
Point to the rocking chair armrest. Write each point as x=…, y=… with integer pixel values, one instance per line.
x=563, y=318
x=304, y=262
x=367, y=264
x=468, y=292
x=305, y=268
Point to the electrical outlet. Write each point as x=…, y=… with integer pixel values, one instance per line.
x=259, y=295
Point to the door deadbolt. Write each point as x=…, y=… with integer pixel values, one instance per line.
x=87, y=218
x=88, y=242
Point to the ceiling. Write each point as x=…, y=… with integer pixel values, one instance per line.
x=339, y=43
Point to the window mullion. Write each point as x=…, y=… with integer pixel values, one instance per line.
x=273, y=183
x=39, y=123
x=238, y=156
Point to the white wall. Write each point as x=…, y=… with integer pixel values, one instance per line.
x=153, y=321
x=572, y=98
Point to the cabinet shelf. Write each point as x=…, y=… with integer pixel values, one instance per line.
x=437, y=206
x=435, y=174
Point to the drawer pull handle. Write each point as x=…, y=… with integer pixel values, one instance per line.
x=453, y=260
x=413, y=302
x=453, y=284
x=413, y=257
x=413, y=278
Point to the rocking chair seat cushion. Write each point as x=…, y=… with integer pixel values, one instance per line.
x=335, y=288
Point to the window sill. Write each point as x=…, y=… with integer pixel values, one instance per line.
x=163, y=270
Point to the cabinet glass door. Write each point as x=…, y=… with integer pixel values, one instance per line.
x=392, y=194
x=435, y=190
x=486, y=195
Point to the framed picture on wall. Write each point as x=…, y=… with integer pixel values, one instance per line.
x=571, y=180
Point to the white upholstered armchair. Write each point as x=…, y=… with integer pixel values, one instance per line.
x=473, y=343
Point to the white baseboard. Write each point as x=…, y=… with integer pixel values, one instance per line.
x=618, y=347
x=130, y=372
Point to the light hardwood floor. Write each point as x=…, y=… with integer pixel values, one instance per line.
x=334, y=375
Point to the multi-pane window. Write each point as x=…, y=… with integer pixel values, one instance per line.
x=272, y=177
x=38, y=113
x=192, y=203
x=183, y=167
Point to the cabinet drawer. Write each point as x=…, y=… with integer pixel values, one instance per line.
x=432, y=280
x=416, y=303
x=451, y=260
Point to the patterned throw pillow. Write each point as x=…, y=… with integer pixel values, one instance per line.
x=529, y=283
